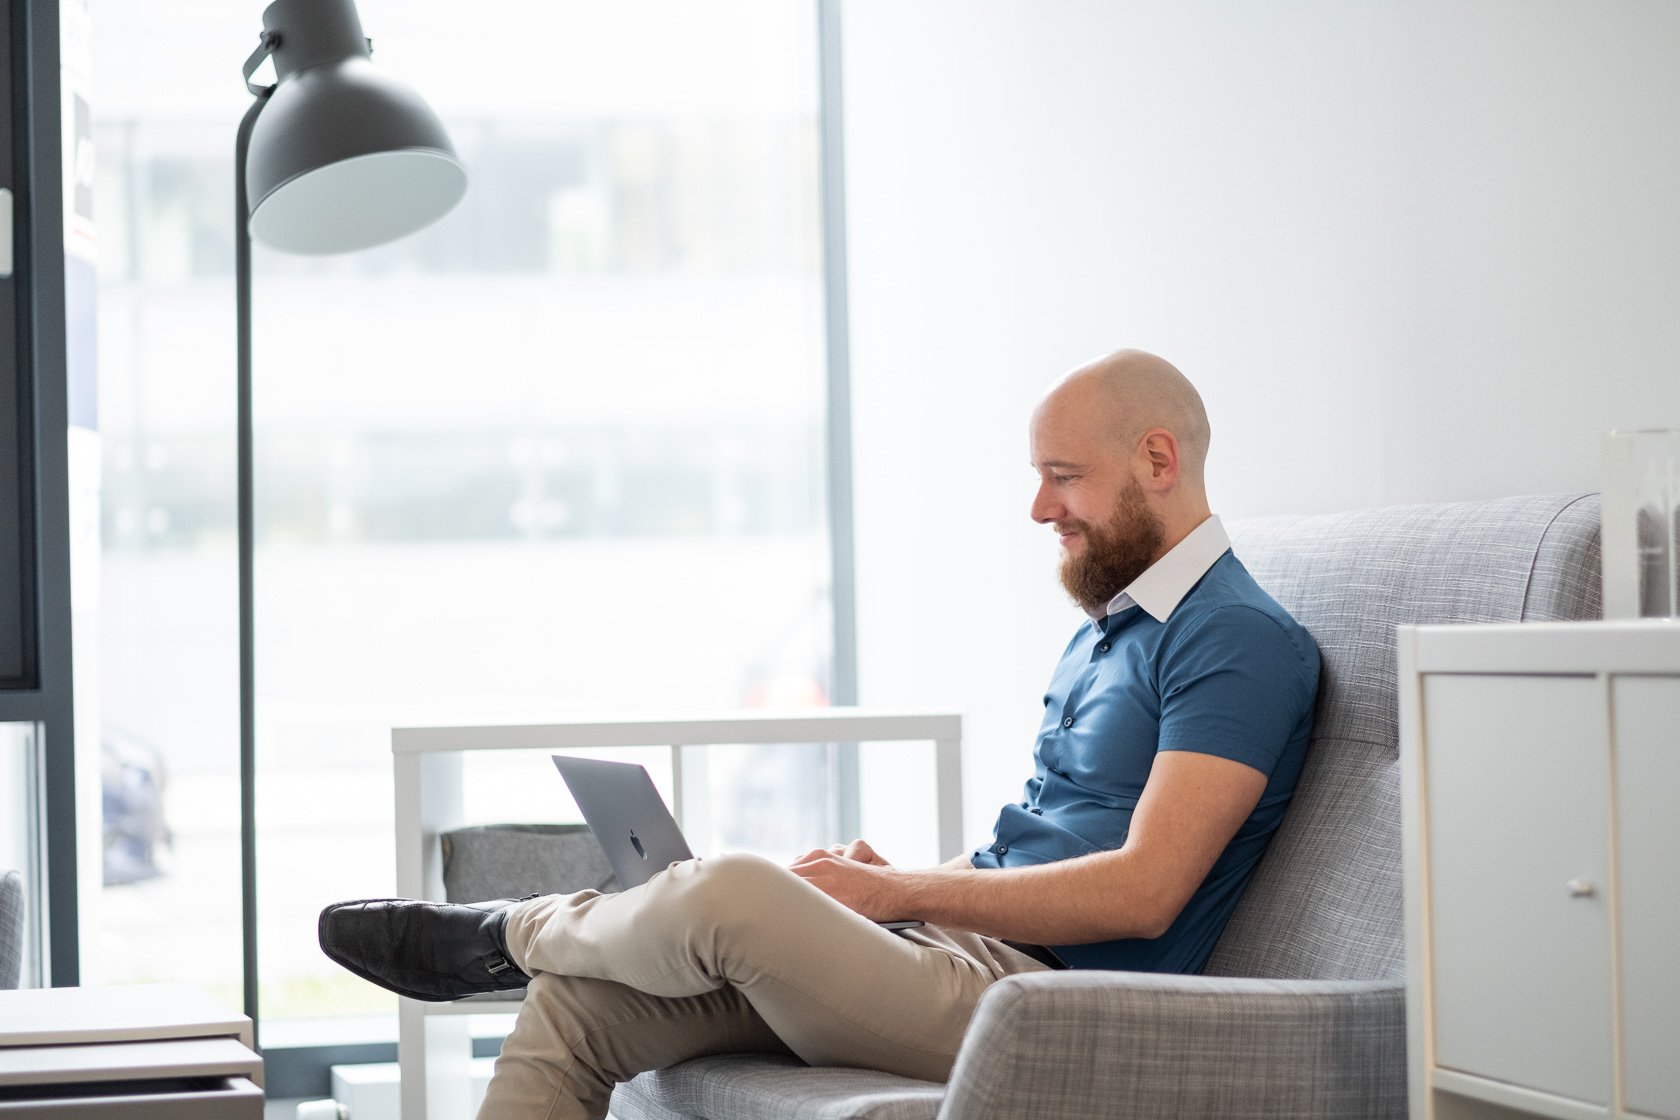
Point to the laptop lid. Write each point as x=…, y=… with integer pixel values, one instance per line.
x=627, y=816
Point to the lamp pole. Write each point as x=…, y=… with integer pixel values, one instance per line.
x=247, y=553
x=346, y=158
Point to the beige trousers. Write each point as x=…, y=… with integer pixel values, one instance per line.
x=728, y=954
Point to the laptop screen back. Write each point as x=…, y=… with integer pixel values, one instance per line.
x=627, y=816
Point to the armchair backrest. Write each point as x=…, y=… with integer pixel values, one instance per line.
x=1325, y=902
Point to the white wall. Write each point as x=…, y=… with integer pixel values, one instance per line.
x=1409, y=250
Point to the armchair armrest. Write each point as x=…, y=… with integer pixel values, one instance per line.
x=1084, y=1045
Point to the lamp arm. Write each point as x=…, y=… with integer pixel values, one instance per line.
x=247, y=543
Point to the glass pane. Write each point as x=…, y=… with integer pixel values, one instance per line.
x=560, y=453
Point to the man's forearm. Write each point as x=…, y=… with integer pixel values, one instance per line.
x=1187, y=814
x=1066, y=903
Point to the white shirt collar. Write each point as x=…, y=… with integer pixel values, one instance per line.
x=1167, y=581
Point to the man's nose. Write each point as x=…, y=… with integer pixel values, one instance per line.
x=1044, y=507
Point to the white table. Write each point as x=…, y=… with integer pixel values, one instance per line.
x=433, y=1046
x=141, y=1052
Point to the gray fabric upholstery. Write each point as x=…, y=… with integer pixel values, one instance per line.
x=1161, y=1047
x=739, y=1086
x=1351, y=578
x=1301, y=1012
x=11, y=929
x=513, y=860
x=1325, y=902
x=1567, y=581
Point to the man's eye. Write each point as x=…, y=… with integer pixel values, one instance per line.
x=1062, y=477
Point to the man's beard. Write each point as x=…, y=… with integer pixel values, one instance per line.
x=1115, y=553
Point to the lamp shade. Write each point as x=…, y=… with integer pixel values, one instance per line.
x=343, y=157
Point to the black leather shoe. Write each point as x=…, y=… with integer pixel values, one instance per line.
x=424, y=950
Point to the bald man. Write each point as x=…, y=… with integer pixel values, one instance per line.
x=1174, y=729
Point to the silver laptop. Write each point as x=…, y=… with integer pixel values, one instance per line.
x=627, y=816
x=631, y=822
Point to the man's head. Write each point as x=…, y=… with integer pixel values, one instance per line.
x=1119, y=446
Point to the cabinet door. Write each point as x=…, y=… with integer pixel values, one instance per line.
x=1647, y=738
x=1517, y=792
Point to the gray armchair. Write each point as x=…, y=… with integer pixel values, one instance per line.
x=11, y=929
x=1301, y=1010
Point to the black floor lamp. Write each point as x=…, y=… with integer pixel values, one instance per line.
x=333, y=157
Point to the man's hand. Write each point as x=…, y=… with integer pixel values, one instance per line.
x=1191, y=807
x=858, y=850
x=853, y=875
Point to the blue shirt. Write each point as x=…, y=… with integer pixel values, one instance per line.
x=1229, y=673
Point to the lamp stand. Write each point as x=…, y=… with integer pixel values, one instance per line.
x=336, y=113
x=247, y=543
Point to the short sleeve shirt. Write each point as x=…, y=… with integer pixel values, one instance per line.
x=1229, y=673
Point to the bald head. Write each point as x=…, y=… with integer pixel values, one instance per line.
x=1121, y=396
x=1119, y=446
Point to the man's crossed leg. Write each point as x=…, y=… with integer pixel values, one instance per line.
x=726, y=954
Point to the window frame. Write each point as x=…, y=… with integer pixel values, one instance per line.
x=35, y=347
x=302, y=1069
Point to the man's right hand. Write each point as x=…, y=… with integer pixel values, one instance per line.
x=858, y=850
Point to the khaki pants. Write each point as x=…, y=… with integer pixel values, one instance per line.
x=729, y=954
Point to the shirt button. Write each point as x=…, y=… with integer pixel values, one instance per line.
x=1003, y=849
x=1068, y=722
x=1104, y=648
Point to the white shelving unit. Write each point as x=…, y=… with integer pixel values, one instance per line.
x=1541, y=789
x=433, y=1045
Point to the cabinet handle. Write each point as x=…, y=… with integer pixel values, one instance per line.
x=1580, y=888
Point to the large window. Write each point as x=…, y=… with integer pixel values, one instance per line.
x=561, y=453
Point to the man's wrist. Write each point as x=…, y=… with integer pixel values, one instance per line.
x=924, y=894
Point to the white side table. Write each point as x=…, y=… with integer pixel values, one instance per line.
x=141, y=1052
x=433, y=1046
x=1541, y=806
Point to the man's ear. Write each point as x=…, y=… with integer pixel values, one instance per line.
x=1158, y=453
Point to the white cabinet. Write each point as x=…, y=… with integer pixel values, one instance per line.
x=1541, y=778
